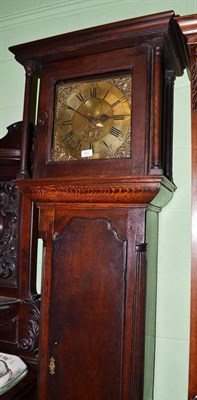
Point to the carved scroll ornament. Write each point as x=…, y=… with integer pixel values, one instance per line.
x=194, y=78
x=9, y=204
x=30, y=331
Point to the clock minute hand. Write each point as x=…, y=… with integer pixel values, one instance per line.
x=90, y=119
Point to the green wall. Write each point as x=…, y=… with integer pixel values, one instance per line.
x=26, y=20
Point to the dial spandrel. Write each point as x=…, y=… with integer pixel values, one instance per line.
x=93, y=119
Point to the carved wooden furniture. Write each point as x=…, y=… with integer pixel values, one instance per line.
x=93, y=210
x=188, y=26
x=19, y=312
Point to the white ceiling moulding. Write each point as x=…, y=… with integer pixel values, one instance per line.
x=50, y=11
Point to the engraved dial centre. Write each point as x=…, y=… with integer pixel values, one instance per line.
x=94, y=121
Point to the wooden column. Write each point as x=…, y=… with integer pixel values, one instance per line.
x=168, y=123
x=157, y=106
x=30, y=69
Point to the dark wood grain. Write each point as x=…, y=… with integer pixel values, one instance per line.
x=95, y=274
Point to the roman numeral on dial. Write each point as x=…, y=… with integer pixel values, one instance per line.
x=91, y=147
x=119, y=117
x=80, y=97
x=121, y=100
x=78, y=145
x=93, y=91
x=115, y=103
x=68, y=122
x=115, y=132
x=105, y=95
x=69, y=136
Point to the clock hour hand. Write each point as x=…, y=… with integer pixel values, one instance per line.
x=90, y=119
x=105, y=117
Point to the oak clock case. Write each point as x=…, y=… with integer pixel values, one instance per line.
x=103, y=152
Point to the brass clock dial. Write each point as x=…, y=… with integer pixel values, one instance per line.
x=92, y=121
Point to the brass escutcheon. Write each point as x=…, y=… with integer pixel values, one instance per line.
x=52, y=366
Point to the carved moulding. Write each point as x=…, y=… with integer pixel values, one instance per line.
x=19, y=324
x=9, y=206
x=188, y=25
x=29, y=327
x=125, y=192
x=194, y=77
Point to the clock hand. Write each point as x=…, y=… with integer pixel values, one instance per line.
x=90, y=119
x=105, y=117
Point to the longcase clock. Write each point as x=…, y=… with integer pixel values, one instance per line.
x=102, y=167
